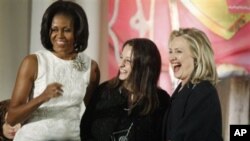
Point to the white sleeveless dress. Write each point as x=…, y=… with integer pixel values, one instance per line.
x=59, y=118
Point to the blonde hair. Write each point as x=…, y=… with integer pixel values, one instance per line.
x=200, y=46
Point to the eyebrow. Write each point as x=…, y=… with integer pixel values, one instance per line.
x=176, y=48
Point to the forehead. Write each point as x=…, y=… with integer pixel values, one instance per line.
x=62, y=19
x=179, y=42
x=127, y=50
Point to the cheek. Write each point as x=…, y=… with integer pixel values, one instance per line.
x=70, y=37
x=189, y=66
x=129, y=68
x=129, y=72
x=51, y=36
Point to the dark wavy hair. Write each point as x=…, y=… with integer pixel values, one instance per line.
x=146, y=69
x=76, y=12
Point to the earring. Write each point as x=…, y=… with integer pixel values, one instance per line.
x=76, y=46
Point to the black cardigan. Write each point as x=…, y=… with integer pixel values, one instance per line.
x=194, y=114
x=105, y=114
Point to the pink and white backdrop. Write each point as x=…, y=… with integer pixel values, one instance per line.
x=226, y=22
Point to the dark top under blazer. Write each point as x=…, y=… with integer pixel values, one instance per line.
x=106, y=114
x=194, y=114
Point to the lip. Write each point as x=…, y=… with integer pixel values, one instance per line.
x=175, y=64
x=123, y=71
x=61, y=42
x=176, y=67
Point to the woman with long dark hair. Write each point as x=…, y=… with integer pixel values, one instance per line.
x=131, y=105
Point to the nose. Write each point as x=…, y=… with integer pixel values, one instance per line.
x=172, y=57
x=121, y=63
x=61, y=33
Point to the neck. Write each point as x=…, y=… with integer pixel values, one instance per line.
x=66, y=56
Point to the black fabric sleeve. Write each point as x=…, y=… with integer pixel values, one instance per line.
x=202, y=110
x=87, y=118
x=164, y=102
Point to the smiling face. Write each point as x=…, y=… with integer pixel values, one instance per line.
x=62, y=34
x=181, y=59
x=125, y=64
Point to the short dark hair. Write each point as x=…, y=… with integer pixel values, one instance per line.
x=81, y=29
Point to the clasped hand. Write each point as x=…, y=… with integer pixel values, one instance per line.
x=53, y=90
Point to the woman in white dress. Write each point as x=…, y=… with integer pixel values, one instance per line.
x=52, y=84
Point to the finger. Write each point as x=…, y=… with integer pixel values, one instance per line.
x=59, y=91
x=58, y=85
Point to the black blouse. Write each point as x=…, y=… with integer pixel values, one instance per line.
x=194, y=114
x=107, y=112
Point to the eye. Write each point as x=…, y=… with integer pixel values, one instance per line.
x=178, y=51
x=67, y=30
x=53, y=30
x=127, y=61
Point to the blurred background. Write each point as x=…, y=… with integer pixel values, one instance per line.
x=112, y=22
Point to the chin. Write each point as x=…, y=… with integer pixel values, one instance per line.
x=177, y=76
x=123, y=77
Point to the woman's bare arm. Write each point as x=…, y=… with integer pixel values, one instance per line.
x=94, y=81
x=20, y=106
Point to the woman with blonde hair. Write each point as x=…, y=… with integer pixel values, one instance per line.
x=195, y=112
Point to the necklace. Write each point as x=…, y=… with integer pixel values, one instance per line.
x=132, y=103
